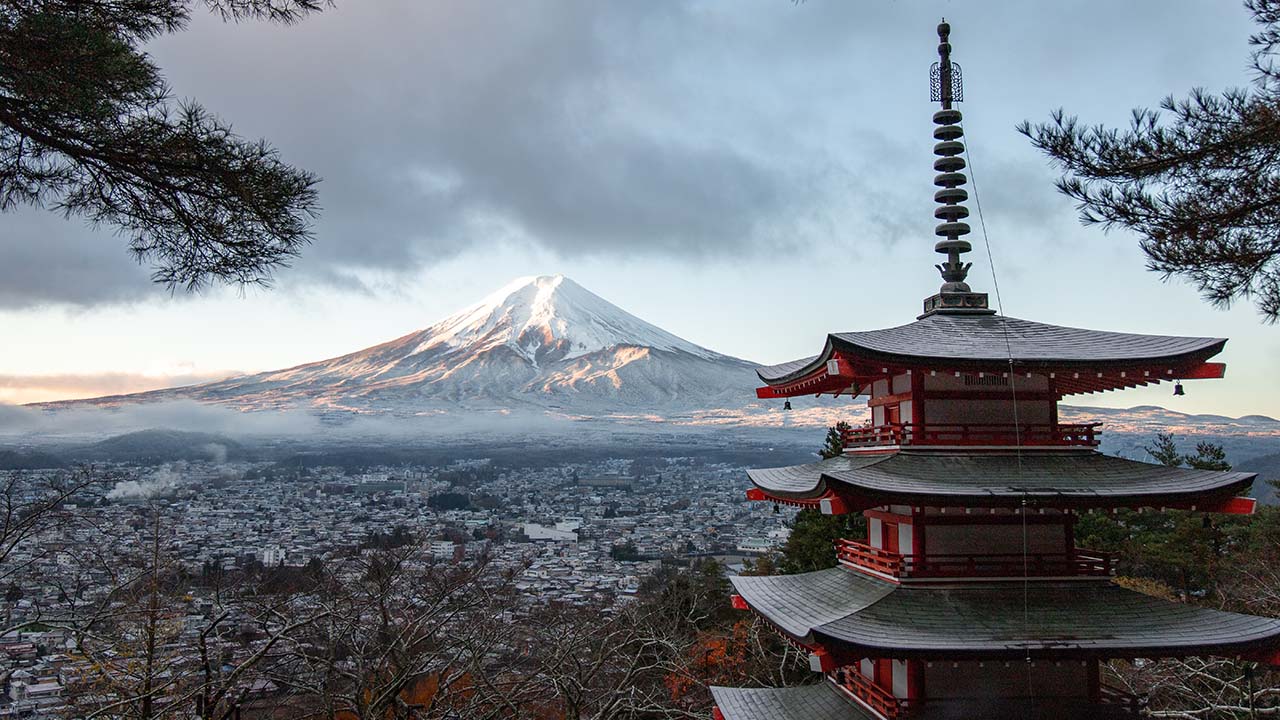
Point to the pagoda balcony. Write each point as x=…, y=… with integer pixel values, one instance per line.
x=872, y=695
x=973, y=434
x=1087, y=563
x=1110, y=702
x=1117, y=698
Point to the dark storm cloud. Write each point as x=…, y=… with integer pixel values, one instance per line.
x=693, y=130
x=561, y=125
x=45, y=259
x=582, y=128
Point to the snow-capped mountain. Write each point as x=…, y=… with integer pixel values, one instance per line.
x=547, y=319
x=539, y=342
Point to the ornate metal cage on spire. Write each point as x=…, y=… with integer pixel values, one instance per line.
x=955, y=295
x=935, y=83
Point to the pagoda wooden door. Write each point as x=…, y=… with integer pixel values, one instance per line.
x=889, y=536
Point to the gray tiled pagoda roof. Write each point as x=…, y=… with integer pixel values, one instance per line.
x=941, y=478
x=982, y=339
x=823, y=701
x=995, y=619
x=798, y=603
x=802, y=702
x=807, y=479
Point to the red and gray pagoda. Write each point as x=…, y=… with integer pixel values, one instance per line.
x=969, y=598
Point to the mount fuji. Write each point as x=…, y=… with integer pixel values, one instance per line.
x=539, y=343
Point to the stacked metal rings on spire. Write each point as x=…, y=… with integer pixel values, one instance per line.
x=945, y=87
x=950, y=163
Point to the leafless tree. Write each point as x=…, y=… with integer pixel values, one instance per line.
x=651, y=658
x=32, y=505
x=146, y=653
x=401, y=636
x=1215, y=688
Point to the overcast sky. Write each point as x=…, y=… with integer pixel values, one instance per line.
x=749, y=175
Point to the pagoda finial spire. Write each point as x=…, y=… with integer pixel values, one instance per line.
x=947, y=89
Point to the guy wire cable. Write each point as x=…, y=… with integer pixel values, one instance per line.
x=1013, y=391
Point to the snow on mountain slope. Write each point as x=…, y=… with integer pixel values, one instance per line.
x=539, y=342
x=550, y=316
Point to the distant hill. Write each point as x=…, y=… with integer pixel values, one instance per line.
x=29, y=460
x=1268, y=468
x=1126, y=432
x=155, y=446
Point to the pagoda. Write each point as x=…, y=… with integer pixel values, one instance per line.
x=968, y=597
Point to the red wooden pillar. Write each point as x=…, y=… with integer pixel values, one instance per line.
x=917, y=532
x=884, y=674
x=1053, y=407
x=915, y=682
x=917, y=403
x=1069, y=532
x=1095, y=681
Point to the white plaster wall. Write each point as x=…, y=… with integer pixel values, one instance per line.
x=873, y=531
x=901, y=383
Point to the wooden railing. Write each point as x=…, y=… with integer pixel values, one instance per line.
x=876, y=697
x=852, y=552
x=1079, y=562
x=892, y=707
x=1108, y=695
x=1068, y=435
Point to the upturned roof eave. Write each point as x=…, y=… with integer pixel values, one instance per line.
x=856, y=484
x=855, y=617
x=841, y=342
x=820, y=701
x=1053, y=650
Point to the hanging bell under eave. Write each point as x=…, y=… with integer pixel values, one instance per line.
x=787, y=405
x=1177, y=389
